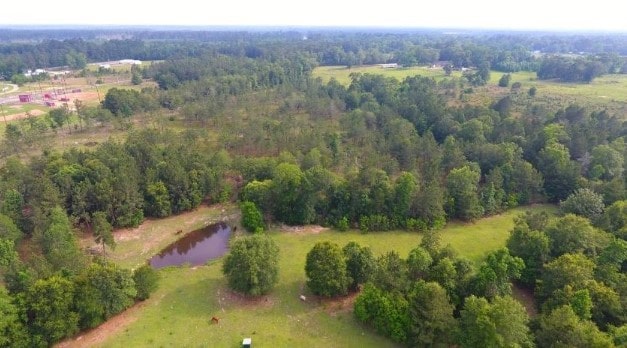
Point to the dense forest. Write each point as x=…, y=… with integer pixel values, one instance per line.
x=238, y=117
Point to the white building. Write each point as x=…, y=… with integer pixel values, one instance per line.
x=131, y=61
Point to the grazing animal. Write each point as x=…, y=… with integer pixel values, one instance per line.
x=215, y=320
x=179, y=232
x=303, y=298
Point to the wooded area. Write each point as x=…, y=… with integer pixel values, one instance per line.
x=238, y=117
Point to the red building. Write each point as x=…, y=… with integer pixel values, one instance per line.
x=25, y=98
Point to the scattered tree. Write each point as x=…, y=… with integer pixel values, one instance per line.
x=504, y=80
x=252, y=265
x=326, y=270
x=103, y=231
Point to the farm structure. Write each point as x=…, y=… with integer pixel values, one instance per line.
x=26, y=98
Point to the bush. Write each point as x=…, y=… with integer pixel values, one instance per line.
x=417, y=225
x=146, y=281
x=342, y=224
x=252, y=219
x=504, y=80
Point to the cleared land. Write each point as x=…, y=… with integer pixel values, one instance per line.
x=608, y=91
x=342, y=73
x=179, y=313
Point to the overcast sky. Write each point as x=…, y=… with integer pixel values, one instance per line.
x=603, y=15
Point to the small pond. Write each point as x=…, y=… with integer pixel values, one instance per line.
x=195, y=248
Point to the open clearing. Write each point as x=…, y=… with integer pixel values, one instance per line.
x=342, y=73
x=608, y=91
x=179, y=313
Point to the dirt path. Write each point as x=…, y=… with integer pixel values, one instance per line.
x=14, y=88
x=105, y=330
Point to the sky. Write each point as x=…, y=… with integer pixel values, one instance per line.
x=599, y=15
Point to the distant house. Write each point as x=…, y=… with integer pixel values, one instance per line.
x=29, y=72
x=57, y=73
x=247, y=343
x=131, y=61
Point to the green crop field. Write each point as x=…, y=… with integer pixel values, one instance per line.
x=180, y=312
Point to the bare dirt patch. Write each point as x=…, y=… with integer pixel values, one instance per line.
x=303, y=230
x=85, y=96
x=22, y=115
x=228, y=298
x=525, y=297
x=339, y=305
x=105, y=330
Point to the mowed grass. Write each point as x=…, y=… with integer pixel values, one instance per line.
x=179, y=313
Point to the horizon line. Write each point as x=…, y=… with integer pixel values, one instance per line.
x=273, y=27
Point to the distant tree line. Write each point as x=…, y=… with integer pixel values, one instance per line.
x=577, y=69
x=507, y=52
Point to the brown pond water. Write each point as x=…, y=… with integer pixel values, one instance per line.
x=195, y=248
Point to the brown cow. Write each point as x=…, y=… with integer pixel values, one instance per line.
x=215, y=320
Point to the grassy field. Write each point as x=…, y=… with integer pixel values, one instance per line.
x=608, y=90
x=342, y=73
x=179, y=313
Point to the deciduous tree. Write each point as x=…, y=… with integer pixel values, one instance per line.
x=502, y=323
x=326, y=270
x=146, y=281
x=360, y=264
x=252, y=265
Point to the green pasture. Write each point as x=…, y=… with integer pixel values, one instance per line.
x=21, y=108
x=179, y=313
x=342, y=73
x=605, y=90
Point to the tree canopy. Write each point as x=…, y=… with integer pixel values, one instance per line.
x=251, y=266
